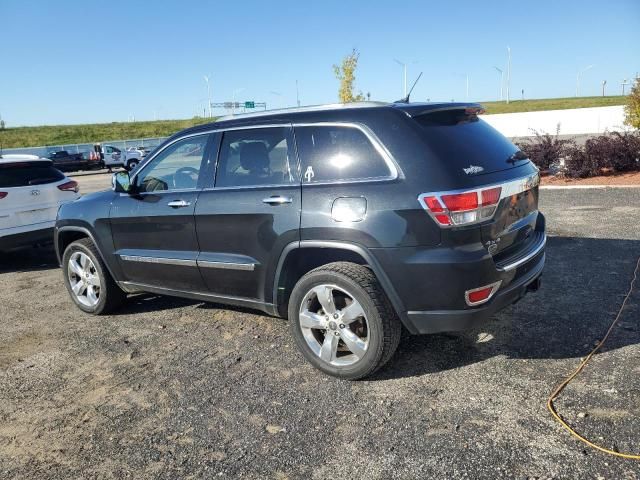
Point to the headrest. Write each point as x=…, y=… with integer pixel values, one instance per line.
x=254, y=156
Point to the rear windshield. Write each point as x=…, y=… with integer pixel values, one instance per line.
x=24, y=175
x=464, y=141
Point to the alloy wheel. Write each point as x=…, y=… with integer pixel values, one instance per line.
x=84, y=279
x=334, y=325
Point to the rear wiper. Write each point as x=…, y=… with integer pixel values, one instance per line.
x=517, y=156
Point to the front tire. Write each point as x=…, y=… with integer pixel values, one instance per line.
x=88, y=281
x=131, y=165
x=342, y=321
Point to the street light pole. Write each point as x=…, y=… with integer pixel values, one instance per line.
x=206, y=79
x=501, y=80
x=508, y=72
x=233, y=103
x=404, y=68
x=580, y=72
x=467, y=86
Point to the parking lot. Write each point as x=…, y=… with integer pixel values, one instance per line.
x=170, y=388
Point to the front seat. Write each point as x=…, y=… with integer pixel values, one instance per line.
x=254, y=157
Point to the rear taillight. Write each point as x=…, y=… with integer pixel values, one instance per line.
x=70, y=186
x=3, y=194
x=450, y=209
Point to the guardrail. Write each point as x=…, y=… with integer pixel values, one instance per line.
x=85, y=148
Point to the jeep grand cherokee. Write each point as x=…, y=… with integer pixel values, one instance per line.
x=352, y=221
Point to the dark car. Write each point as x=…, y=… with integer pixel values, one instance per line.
x=352, y=221
x=65, y=161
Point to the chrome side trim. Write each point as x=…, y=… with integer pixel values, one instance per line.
x=160, y=260
x=227, y=266
x=525, y=259
x=371, y=136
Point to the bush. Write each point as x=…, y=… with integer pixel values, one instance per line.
x=545, y=149
x=611, y=152
x=617, y=152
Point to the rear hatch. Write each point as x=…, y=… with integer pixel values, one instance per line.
x=29, y=193
x=477, y=156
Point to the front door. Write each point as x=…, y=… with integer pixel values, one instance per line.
x=251, y=214
x=153, y=228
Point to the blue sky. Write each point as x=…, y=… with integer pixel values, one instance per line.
x=73, y=61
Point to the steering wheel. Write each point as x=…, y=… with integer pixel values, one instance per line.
x=185, y=172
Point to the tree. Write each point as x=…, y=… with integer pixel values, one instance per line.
x=632, y=108
x=346, y=74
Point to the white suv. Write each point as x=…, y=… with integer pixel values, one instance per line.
x=31, y=191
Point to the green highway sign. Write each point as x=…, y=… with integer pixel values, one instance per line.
x=249, y=104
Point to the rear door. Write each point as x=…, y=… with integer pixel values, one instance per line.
x=29, y=194
x=153, y=229
x=252, y=212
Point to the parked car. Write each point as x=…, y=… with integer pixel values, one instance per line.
x=143, y=151
x=351, y=221
x=65, y=161
x=31, y=190
x=115, y=157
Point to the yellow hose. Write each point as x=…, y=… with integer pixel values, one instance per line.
x=584, y=362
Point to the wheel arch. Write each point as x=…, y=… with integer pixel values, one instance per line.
x=66, y=235
x=298, y=258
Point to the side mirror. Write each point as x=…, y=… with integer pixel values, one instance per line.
x=121, y=183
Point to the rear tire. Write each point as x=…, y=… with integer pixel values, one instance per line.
x=88, y=280
x=354, y=331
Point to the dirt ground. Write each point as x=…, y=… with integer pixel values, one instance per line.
x=169, y=388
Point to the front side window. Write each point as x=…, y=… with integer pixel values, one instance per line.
x=337, y=153
x=175, y=168
x=254, y=157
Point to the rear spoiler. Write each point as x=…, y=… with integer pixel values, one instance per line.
x=417, y=109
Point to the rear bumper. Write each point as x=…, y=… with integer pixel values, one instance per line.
x=430, y=283
x=26, y=239
x=435, y=321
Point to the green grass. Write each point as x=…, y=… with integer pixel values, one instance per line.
x=552, y=104
x=98, y=132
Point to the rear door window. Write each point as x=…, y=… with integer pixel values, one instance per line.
x=459, y=138
x=330, y=153
x=25, y=174
x=256, y=157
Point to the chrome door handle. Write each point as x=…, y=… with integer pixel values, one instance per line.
x=277, y=200
x=178, y=204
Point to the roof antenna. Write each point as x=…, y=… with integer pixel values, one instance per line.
x=406, y=99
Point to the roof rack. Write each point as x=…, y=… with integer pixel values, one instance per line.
x=310, y=108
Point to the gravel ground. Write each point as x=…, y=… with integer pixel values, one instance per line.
x=171, y=388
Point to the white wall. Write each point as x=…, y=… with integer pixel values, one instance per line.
x=572, y=122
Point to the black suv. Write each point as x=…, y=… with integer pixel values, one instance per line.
x=352, y=221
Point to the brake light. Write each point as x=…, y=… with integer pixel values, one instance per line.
x=462, y=208
x=70, y=186
x=3, y=194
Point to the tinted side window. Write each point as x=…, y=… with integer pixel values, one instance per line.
x=334, y=153
x=255, y=157
x=23, y=175
x=175, y=168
